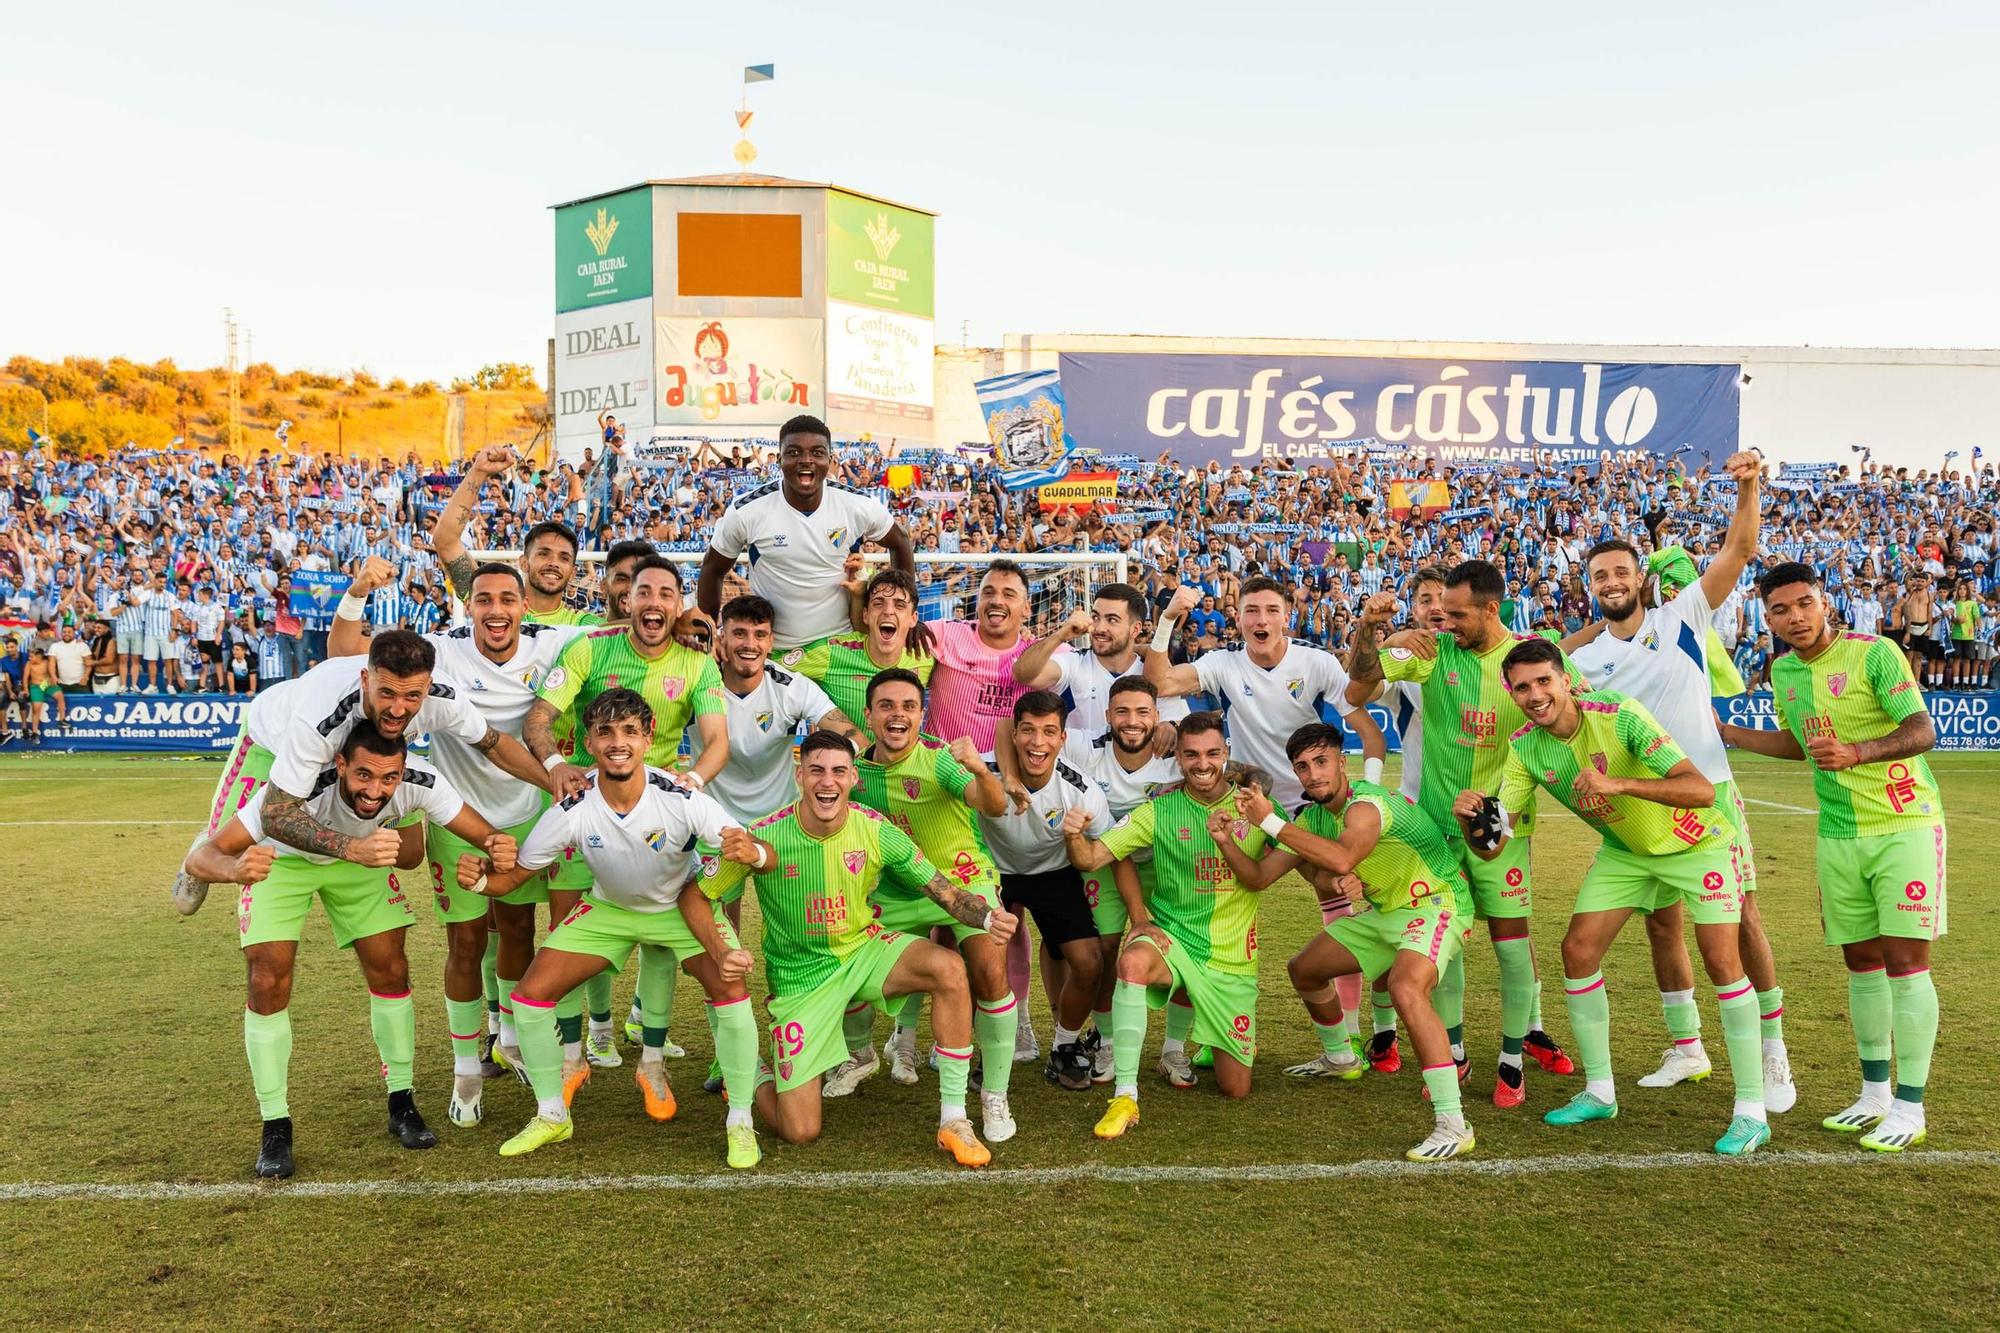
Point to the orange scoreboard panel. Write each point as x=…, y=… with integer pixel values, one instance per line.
x=741, y=254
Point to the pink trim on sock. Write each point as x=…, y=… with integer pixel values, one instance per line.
x=520, y=999
x=1012, y=1000
x=1738, y=993
x=1687, y=1041
x=857, y=1008
x=1449, y=1064
x=1773, y=1014
x=399, y=995
x=1864, y=971
x=1915, y=972
x=468, y=1036
x=1595, y=985
x=724, y=1004
x=950, y=1054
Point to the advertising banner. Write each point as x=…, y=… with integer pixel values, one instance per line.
x=1079, y=489
x=879, y=255
x=144, y=722
x=604, y=250
x=604, y=363
x=738, y=372
x=878, y=361
x=1963, y=721
x=1231, y=408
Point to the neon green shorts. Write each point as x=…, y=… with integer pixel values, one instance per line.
x=1502, y=887
x=1891, y=884
x=442, y=848
x=247, y=768
x=359, y=901
x=806, y=1035
x=1703, y=878
x=1107, y=909
x=1730, y=799
x=595, y=926
x=915, y=916
x=1225, y=1003
x=1431, y=928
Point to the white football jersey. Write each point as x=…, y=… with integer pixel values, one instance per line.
x=422, y=790
x=1085, y=685
x=758, y=778
x=796, y=560
x=1265, y=707
x=1123, y=791
x=640, y=860
x=1405, y=701
x=1665, y=667
x=304, y=722
x=502, y=692
x=1030, y=842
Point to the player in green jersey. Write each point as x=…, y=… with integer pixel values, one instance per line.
x=816, y=864
x=936, y=793
x=1394, y=888
x=1196, y=932
x=844, y=664
x=1849, y=703
x=1665, y=840
x=1467, y=717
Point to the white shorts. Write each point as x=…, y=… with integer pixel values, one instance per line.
x=156, y=648
x=130, y=641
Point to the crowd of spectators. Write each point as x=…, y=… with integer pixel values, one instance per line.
x=166, y=572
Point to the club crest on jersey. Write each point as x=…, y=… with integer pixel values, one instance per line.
x=853, y=861
x=1451, y=678
x=1292, y=687
x=1836, y=684
x=836, y=536
x=1053, y=819
x=764, y=721
x=1599, y=762
x=657, y=839
x=913, y=788
x=1239, y=829
x=1649, y=641
x=671, y=687
x=530, y=678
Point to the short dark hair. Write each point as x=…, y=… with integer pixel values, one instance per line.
x=1790, y=572
x=749, y=608
x=1040, y=703
x=495, y=567
x=652, y=562
x=364, y=736
x=1261, y=583
x=629, y=549
x=1313, y=735
x=900, y=579
x=1125, y=595
x=1002, y=565
x=1194, y=724
x=1609, y=545
x=892, y=676
x=1132, y=685
x=398, y=652
x=804, y=424
x=822, y=739
x=1427, y=574
x=1531, y=652
x=1481, y=576
x=550, y=528
x=615, y=706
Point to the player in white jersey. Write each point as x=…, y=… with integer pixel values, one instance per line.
x=1270, y=687
x=496, y=662
x=368, y=789
x=1658, y=655
x=1112, y=623
x=1036, y=876
x=798, y=532
x=640, y=830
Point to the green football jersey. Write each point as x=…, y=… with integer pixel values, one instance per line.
x=1468, y=716
x=1412, y=858
x=814, y=894
x=564, y=727
x=923, y=794
x=1858, y=689
x=1196, y=898
x=679, y=685
x=842, y=667
x=1619, y=738
x=567, y=615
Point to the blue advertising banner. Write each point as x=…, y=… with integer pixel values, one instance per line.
x=1232, y=409
x=174, y=723
x=1963, y=721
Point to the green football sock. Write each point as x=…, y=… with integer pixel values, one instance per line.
x=1771, y=1013
x=736, y=1048
x=570, y=1027
x=267, y=1040
x=1590, y=1020
x=597, y=995
x=489, y=971
x=1683, y=1015
x=1180, y=1019
x=954, y=1066
x=660, y=974
x=1517, y=991
x=912, y=1009
x=655, y=994
x=1128, y=1033
x=1332, y=1039
x=541, y=1050
x=394, y=1021
x=1738, y=1002
x=1449, y=999
x=994, y=1023
x=1870, y=1010
x=1535, y=1003
x=466, y=1021
x=1385, y=1010
x=1100, y=1020
x=1442, y=1082
x=510, y=1035
x=1916, y=1026
x=570, y=1008
x=858, y=1027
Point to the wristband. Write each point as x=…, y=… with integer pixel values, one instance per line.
x=478, y=885
x=1273, y=823
x=763, y=857
x=1371, y=770
x=692, y=779
x=351, y=607
x=1163, y=635
x=986, y=922
x=550, y=763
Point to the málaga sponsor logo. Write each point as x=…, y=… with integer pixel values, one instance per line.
x=144, y=712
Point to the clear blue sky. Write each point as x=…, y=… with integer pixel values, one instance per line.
x=367, y=183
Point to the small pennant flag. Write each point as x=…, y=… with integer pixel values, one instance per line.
x=284, y=432
x=759, y=73
x=1977, y=453
x=36, y=439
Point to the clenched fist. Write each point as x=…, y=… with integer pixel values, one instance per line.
x=501, y=851
x=254, y=864
x=377, y=851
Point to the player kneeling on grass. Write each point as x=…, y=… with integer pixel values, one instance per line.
x=1665, y=840
x=370, y=789
x=1196, y=932
x=638, y=830
x=815, y=864
x=1393, y=896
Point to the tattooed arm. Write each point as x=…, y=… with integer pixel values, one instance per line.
x=970, y=909
x=538, y=731
x=448, y=537
x=512, y=757
x=286, y=819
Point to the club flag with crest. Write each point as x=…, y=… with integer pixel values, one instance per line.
x=1027, y=432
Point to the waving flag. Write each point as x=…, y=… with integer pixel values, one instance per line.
x=759, y=73
x=1026, y=430
x=284, y=433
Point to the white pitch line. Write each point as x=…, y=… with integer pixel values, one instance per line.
x=168, y=1191
x=1780, y=805
x=87, y=823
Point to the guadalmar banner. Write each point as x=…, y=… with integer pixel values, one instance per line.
x=1079, y=489
x=1421, y=497
x=738, y=372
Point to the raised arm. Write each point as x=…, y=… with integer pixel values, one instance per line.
x=1739, y=544
x=1036, y=668
x=448, y=537
x=715, y=566
x=1170, y=680
x=986, y=794
x=1364, y=661
x=1085, y=852
x=349, y=637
